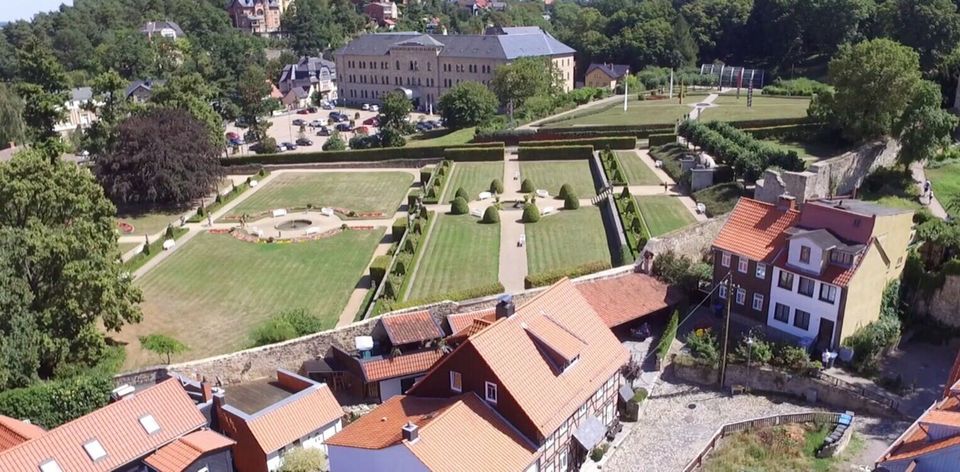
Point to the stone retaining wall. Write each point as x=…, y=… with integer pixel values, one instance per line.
x=398, y=163
x=693, y=241
x=944, y=304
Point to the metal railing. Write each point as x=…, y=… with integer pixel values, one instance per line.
x=766, y=422
x=860, y=390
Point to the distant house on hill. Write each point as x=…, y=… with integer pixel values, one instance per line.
x=163, y=29
x=605, y=75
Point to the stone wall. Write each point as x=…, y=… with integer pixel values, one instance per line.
x=396, y=163
x=840, y=175
x=693, y=241
x=944, y=304
x=701, y=178
x=765, y=380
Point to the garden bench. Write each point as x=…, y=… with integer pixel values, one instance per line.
x=279, y=212
x=485, y=195
x=312, y=230
x=477, y=212
x=253, y=183
x=543, y=193
x=548, y=210
x=325, y=211
x=169, y=244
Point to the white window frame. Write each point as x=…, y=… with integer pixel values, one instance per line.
x=725, y=259
x=743, y=265
x=831, y=293
x=722, y=291
x=761, y=271
x=757, y=301
x=456, y=386
x=741, y=296
x=486, y=392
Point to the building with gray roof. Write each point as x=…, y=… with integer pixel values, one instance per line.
x=425, y=66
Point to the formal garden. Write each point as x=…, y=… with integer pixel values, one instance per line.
x=565, y=240
x=550, y=175
x=473, y=178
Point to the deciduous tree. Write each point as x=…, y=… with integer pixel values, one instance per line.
x=43, y=87
x=514, y=83
x=12, y=128
x=162, y=345
x=924, y=128
x=467, y=104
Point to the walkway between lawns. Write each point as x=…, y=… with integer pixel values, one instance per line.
x=919, y=176
x=641, y=190
x=513, y=258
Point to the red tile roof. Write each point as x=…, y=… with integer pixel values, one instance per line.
x=459, y=321
x=14, y=431
x=619, y=300
x=178, y=455
x=755, y=229
x=411, y=327
x=117, y=428
x=400, y=366
x=380, y=428
x=916, y=442
x=295, y=417
x=555, y=338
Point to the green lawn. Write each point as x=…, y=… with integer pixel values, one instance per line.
x=663, y=214
x=211, y=292
x=550, y=175
x=636, y=171
x=639, y=112
x=148, y=223
x=812, y=151
x=442, y=138
x=787, y=448
x=124, y=247
x=474, y=177
x=567, y=239
x=356, y=191
x=730, y=109
x=946, y=183
x=461, y=254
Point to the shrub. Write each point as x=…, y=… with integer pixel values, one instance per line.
x=625, y=193
x=793, y=358
x=571, y=202
x=800, y=87
x=661, y=139
x=378, y=268
x=273, y=331
x=146, y=247
x=758, y=350
x=168, y=234
x=490, y=215
x=546, y=278
x=669, y=334
x=640, y=395
x=461, y=193
x=703, y=345
x=541, y=153
x=399, y=227
x=719, y=199
x=527, y=186
x=425, y=175
x=564, y=190
x=52, y=403
x=459, y=206
x=400, y=267
x=474, y=154
x=870, y=341
x=531, y=214
x=300, y=459
x=597, y=453
x=496, y=186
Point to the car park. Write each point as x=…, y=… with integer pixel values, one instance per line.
x=365, y=107
x=289, y=146
x=343, y=127
x=317, y=123
x=312, y=110
x=304, y=142
x=323, y=131
x=362, y=130
x=298, y=122
x=375, y=108
x=372, y=121
x=303, y=111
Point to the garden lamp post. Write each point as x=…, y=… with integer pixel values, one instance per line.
x=749, y=350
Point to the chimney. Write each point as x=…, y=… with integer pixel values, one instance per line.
x=505, y=307
x=206, y=391
x=410, y=432
x=786, y=202
x=218, y=400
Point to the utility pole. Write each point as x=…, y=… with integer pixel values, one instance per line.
x=726, y=330
x=626, y=91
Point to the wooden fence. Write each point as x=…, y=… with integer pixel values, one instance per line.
x=730, y=428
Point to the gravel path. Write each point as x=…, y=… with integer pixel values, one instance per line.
x=670, y=433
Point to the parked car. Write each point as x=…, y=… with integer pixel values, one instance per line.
x=434, y=123
x=327, y=106
x=303, y=111
x=312, y=109
x=289, y=146
x=344, y=127
x=304, y=142
x=362, y=130
x=249, y=136
x=241, y=123
x=323, y=131
x=298, y=122
x=365, y=107
x=374, y=107
x=317, y=123
x=372, y=121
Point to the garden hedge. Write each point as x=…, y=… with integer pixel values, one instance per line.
x=425, y=175
x=399, y=227
x=661, y=139
x=359, y=155
x=621, y=142
x=799, y=132
x=541, y=279
x=378, y=268
x=554, y=153
x=475, y=154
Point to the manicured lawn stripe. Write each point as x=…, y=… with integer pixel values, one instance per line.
x=639, y=112
x=635, y=170
x=474, y=177
x=211, y=292
x=460, y=136
x=731, y=109
x=567, y=239
x=550, y=175
x=148, y=223
x=663, y=213
x=946, y=183
x=357, y=191
x=461, y=254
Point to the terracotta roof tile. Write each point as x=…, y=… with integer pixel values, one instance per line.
x=915, y=441
x=14, y=431
x=298, y=415
x=555, y=338
x=755, y=229
x=411, y=327
x=400, y=366
x=459, y=321
x=493, y=445
x=380, y=428
x=178, y=455
x=619, y=300
x=117, y=428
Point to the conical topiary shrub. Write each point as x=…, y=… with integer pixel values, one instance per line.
x=625, y=193
x=527, y=186
x=459, y=207
x=496, y=186
x=571, y=202
x=490, y=215
x=531, y=214
x=565, y=190
x=461, y=193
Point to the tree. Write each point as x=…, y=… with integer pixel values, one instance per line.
x=685, y=49
x=490, y=215
x=394, y=111
x=461, y=193
x=127, y=52
x=146, y=167
x=252, y=92
x=526, y=186
x=459, y=206
x=300, y=459
x=193, y=94
x=931, y=27
x=43, y=88
x=314, y=26
x=162, y=345
x=111, y=106
x=571, y=202
x=334, y=142
x=924, y=128
x=514, y=83
x=874, y=81
x=496, y=186
x=56, y=217
x=531, y=214
x=467, y=104
x=12, y=128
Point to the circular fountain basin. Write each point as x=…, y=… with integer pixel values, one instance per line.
x=294, y=224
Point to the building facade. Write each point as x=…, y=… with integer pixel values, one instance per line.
x=814, y=274
x=605, y=75
x=425, y=66
x=259, y=17
x=77, y=113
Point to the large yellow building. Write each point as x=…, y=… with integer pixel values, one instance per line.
x=425, y=66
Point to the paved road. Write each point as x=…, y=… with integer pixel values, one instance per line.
x=919, y=176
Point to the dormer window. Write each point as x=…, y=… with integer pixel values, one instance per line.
x=841, y=258
x=805, y=254
x=490, y=392
x=95, y=450
x=149, y=424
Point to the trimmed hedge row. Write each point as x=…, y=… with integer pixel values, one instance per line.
x=554, y=153
x=433, y=190
x=541, y=279
x=767, y=122
x=398, y=274
x=474, y=154
x=798, y=131
x=353, y=155
x=378, y=268
x=661, y=139
x=612, y=167
x=623, y=142
x=748, y=156
x=634, y=227
x=516, y=136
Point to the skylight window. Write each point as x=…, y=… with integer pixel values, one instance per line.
x=149, y=424
x=95, y=450
x=50, y=466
